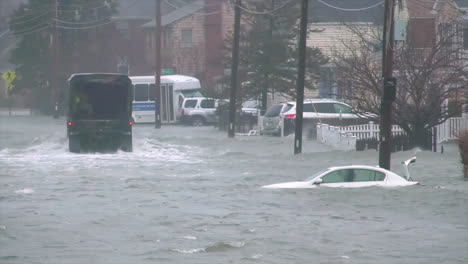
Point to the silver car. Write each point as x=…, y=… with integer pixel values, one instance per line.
x=198, y=111
x=272, y=121
x=313, y=109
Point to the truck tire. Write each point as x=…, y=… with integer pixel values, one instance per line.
x=198, y=121
x=126, y=144
x=74, y=144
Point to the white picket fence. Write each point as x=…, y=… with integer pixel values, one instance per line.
x=369, y=130
x=450, y=129
x=344, y=138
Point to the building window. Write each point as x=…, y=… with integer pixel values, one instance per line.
x=186, y=38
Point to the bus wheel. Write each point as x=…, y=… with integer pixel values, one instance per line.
x=126, y=144
x=74, y=144
x=198, y=121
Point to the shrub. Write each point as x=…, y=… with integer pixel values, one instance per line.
x=463, y=147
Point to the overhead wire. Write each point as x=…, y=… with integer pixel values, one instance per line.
x=28, y=20
x=83, y=23
x=265, y=12
x=193, y=13
x=94, y=26
x=22, y=34
x=350, y=9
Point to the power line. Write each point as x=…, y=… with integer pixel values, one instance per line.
x=350, y=9
x=4, y=33
x=83, y=23
x=74, y=7
x=267, y=12
x=22, y=34
x=95, y=26
x=192, y=13
x=27, y=20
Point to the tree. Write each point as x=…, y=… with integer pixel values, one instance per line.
x=268, y=51
x=32, y=23
x=427, y=77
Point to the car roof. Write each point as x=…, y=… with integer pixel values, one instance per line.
x=377, y=168
x=318, y=101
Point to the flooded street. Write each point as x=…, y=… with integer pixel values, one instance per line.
x=191, y=195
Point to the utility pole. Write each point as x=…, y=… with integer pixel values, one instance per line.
x=234, y=67
x=267, y=75
x=157, y=72
x=389, y=89
x=301, y=78
x=54, y=69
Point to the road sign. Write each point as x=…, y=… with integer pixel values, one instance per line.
x=167, y=71
x=9, y=77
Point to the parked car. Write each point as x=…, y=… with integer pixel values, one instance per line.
x=313, y=109
x=250, y=107
x=352, y=177
x=272, y=120
x=198, y=111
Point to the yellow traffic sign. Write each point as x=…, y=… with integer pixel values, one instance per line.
x=9, y=77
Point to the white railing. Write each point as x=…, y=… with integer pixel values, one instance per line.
x=343, y=137
x=450, y=129
x=370, y=130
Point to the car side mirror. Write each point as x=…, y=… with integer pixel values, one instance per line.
x=318, y=181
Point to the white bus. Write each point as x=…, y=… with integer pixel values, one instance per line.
x=174, y=88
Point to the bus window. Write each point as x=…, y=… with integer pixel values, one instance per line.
x=141, y=92
x=151, y=92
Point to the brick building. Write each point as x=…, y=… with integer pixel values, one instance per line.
x=193, y=40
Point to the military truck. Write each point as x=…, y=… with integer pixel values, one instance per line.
x=99, y=112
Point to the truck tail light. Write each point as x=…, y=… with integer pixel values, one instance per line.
x=292, y=116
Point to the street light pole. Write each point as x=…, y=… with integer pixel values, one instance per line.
x=389, y=89
x=157, y=72
x=301, y=78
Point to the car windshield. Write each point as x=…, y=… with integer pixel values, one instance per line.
x=316, y=174
x=287, y=108
x=274, y=111
x=192, y=93
x=250, y=104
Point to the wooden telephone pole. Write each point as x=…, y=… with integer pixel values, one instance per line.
x=54, y=65
x=157, y=72
x=389, y=89
x=301, y=78
x=234, y=68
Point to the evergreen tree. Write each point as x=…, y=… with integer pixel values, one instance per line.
x=33, y=22
x=269, y=51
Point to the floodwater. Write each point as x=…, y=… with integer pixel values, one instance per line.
x=191, y=195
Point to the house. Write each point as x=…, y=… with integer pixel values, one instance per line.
x=332, y=28
x=193, y=40
x=129, y=35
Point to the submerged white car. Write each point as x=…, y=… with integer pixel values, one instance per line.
x=352, y=177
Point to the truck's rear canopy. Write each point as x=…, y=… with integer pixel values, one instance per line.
x=100, y=96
